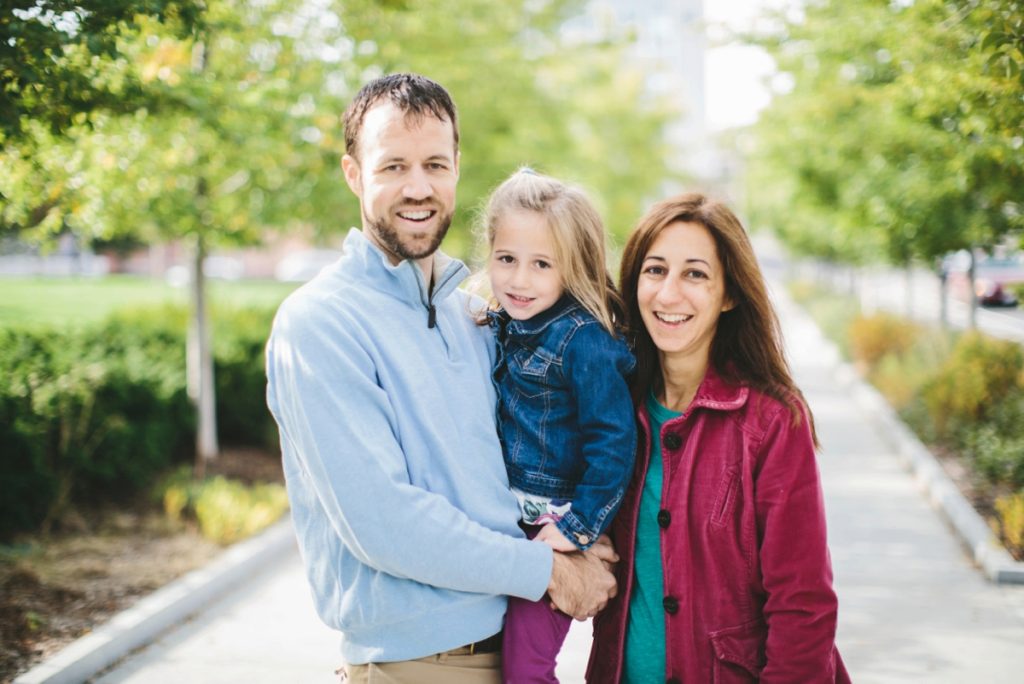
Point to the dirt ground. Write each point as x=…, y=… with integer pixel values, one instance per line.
x=56, y=589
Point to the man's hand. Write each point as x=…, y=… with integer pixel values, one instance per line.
x=581, y=582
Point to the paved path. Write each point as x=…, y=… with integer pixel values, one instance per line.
x=912, y=607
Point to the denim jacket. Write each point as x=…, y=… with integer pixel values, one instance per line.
x=564, y=413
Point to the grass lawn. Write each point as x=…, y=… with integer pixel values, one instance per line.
x=74, y=301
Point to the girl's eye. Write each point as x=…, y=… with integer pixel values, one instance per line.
x=505, y=259
x=543, y=264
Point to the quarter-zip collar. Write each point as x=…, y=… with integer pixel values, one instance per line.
x=405, y=279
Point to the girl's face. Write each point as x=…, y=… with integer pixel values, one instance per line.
x=524, y=274
x=681, y=291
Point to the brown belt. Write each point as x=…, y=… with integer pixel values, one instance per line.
x=491, y=644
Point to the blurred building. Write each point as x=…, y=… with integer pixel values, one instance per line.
x=669, y=45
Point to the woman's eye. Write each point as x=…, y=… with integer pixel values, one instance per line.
x=695, y=274
x=654, y=270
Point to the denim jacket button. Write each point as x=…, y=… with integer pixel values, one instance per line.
x=582, y=539
x=673, y=441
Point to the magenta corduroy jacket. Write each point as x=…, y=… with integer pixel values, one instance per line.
x=748, y=579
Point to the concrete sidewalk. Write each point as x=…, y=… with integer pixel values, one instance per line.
x=912, y=606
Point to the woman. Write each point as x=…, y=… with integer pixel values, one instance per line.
x=725, y=573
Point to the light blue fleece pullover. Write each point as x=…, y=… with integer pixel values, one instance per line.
x=395, y=475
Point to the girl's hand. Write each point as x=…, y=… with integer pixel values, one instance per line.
x=550, y=535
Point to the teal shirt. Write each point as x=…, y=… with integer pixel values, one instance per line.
x=645, y=632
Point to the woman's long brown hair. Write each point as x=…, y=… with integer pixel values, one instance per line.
x=747, y=348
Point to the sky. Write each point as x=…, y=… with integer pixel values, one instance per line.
x=734, y=74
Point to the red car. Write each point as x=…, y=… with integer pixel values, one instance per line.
x=993, y=277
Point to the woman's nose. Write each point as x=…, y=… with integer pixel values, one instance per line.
x=670, y=292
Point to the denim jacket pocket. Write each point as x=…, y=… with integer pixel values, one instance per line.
x=532, y=367
x=739, y=652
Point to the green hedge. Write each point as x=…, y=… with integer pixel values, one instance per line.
x=95, y=414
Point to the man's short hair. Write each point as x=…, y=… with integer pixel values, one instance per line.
x=415, y=95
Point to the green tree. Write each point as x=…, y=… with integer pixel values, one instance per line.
x=901, y=136
x=253, y=141
x=60, y=60
x=527, y=94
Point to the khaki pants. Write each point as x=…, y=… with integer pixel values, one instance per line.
x=451, y=667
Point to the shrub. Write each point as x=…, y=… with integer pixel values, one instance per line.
x=978, y=374
x=242, y=415
x=226, y=510
x=874, y=337
x=1010, y=517
x=93, y=414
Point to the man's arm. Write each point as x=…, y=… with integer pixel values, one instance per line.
x=334, y=419
x=581, y=582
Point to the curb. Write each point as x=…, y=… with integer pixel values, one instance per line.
x=985, y=548
x=943, y=494
x=140, y=624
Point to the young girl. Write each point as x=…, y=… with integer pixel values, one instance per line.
x=564, y=411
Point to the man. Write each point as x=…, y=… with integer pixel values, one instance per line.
x=379, y=379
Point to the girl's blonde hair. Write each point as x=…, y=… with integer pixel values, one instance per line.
x=576, y=230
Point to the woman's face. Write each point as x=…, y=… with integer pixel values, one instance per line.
x=681, y=291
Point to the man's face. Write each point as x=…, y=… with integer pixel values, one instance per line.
x=405, y=178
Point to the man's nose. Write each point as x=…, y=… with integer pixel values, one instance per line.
x=417, y=185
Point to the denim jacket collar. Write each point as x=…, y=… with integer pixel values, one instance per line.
x=500, y=319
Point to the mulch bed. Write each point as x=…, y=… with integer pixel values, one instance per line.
x=57, y=588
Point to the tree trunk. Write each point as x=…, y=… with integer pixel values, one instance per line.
x=943, y=297
x=972, y=297
x=200, y=365
x=908, y=290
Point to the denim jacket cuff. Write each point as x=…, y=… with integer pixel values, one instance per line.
x=576, y=531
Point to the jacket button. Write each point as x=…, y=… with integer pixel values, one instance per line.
x=582, y=539
x=664, y=518
x=672, y=441
x=671, y=604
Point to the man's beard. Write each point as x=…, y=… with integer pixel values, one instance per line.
x=393, y=242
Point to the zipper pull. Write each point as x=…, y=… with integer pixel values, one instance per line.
x=431, y=316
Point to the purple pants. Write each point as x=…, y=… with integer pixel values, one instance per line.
x=534, y=632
